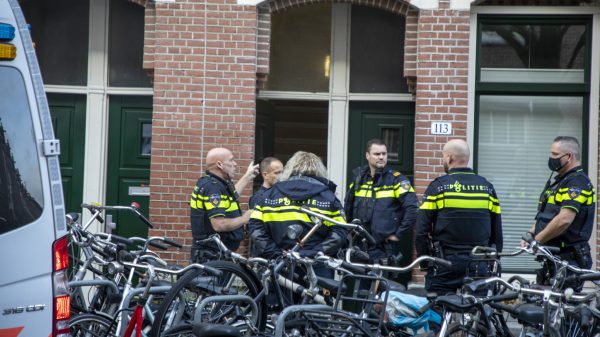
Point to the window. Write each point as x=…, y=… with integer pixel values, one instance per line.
x=59, y=30
x=300, y=49
x=532, y=85
x=126, y=45
x=146, y=139
x=377, y=51
x=550, y=51
x=21, y=197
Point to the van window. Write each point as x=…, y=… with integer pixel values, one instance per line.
x=21, y=197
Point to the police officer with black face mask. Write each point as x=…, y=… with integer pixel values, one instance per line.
x=567, y=206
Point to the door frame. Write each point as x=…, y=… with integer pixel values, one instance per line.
x=338, y=96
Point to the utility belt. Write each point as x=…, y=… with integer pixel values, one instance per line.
x=438, y=250
x=576, y=252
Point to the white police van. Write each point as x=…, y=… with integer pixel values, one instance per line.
x=34, y=300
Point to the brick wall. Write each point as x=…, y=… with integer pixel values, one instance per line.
x=441, y=93
x=203, y=55
x=201, y=101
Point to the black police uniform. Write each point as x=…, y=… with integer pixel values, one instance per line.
x=280, y=208
x=213, y=197
x=386, y=204
x=572, y=190
x=460, y=210
x=256, y=197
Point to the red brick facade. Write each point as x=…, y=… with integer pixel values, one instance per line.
x=203, y=56
x=208, y=57
x=441, y=92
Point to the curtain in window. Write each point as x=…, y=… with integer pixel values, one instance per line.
x=515, y=134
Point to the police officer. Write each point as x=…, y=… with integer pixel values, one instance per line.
x=383, y=200
x=303, y=182
x=215, y=204
x=460, y=210
x=567, y=205
x=270, y=169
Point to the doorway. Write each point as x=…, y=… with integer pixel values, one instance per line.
x=129, y=150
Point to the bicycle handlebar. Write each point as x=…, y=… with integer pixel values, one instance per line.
x=215, y=238
x=417, y=261
x=208, y=269
x=351, y=225
x=585, y=277
x=529, y=291
x=96, y=209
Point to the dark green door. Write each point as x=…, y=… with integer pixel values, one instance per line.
x=394, y=123
x=128, y=179
x=68, y=119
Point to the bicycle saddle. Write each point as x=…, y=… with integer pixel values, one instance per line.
x=454, y=303
x=215, y=330
x=530, y=313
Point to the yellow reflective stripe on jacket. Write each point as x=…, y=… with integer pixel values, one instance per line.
x=202, y=202
x=291, y=213
x=440, y=201
x=585, y=197
x=330, y=214
x=256, y=214
x=288, y=216
x=382, y=191
x=430, y=202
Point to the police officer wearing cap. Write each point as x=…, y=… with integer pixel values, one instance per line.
x=383, y=200
x=567, y=206
x=460, y=210
x=215, y=205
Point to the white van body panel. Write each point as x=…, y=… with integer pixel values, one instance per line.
x=26, y=294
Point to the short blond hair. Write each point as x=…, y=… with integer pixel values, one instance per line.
x=304, y=163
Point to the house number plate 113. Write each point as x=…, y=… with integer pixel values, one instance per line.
x=441, y=128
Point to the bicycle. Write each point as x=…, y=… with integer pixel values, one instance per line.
x=254, y=277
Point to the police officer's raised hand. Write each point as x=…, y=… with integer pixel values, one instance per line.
x=252, y=170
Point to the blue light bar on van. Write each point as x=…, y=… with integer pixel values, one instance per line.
x=7, y=32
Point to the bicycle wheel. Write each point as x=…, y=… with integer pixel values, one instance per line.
x=179, y=305
x=91, y=325
x=458, y=330
x=571, y=327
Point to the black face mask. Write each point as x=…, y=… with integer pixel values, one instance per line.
x=554, y=163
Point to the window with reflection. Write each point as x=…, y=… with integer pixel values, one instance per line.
x=126, y=45
x=377, y=51
x=538, y=50
x=146, y=139
x=21, y=194
x=532, y=86
x=59, y=29
x=391, y=137
x=300, y=56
